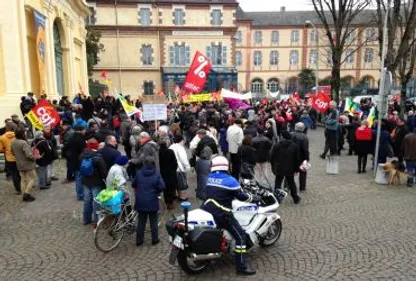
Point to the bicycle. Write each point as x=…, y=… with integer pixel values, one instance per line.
x=112, y=227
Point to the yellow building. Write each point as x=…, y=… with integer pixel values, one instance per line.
x=63, y=50
x=272, y=48
x=149, y=45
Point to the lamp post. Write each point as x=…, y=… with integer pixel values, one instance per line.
x=308, y=22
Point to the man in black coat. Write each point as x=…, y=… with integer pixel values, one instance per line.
x=250, y=129
x=109, y=151
x=401, y=132
x=302, y=143
x=262, y=145
x=72, y=151
x=205, y=141
x=284, y=160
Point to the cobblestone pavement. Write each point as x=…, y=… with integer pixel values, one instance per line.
x=346, y=228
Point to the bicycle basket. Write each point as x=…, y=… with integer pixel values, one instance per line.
x=114, y=204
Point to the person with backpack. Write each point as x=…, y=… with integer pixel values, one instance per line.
x=25, y=162
x=41, y=147
x=93, y=170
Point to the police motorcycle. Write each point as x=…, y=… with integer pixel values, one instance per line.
x=196, y=241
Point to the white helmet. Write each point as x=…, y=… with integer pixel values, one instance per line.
x=219, y=163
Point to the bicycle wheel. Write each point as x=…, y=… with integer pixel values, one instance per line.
x=109, y=233
x=163, y=209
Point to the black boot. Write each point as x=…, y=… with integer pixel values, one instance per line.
x=409, y=181
x=243, y=268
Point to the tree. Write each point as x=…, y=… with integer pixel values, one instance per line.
x=401, y=40
x=339, y=21
x=307, y=79
x=94, y=47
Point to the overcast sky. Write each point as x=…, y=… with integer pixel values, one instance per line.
x=274, y=5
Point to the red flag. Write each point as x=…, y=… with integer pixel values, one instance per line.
x=297, y=99
x=43, y=114
x=265, y=101
x=197, y=74
x=104, y=75
x=160, y=93
x=321, y=102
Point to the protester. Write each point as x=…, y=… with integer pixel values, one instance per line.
x=53, y=144
x=148, y=184
x=203, y=139
x=25, y=162
x=6, y=141
x=183, y=165
x=409, y=155
x=331, y=131
x=93, y=171
x=148, y=149
x=117, y=175
x=109, y=152
x=398, y=135
x=306, y=120
x=202, y=170
x=363, y=145
x=235, y=137
x=168, y=168
x=262, y=145
x=46, y=158
x=284, y=159
x=302, y=143
x=248, y=157
x=385, y=148
x=351, y=129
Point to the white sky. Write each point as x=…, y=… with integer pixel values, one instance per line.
x=274, y=5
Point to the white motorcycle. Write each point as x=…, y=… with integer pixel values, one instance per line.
x=196, y=241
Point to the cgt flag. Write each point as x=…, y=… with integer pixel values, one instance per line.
x=43, y=114
x=321, y=102
x=197, y=74
x=40, y=46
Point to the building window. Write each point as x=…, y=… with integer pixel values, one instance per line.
x=147, y=54
x=178, y=17
x=258, y=37
x=275, y=37
x=216, y=17
x=257, y=58
x=179, y=55
x=350, y=36
x=148, y=88
x=238, y=58
x=369, y=55
x=294, y=57
x=257, y=86
x=294, y=38
x=314, y=36
x=349, y=56
x=145, y=17
x=313, y=57
x=92, y=18
x=273, y=85
x=274, y=58
x=239, y=37
x=217, y=53
x=370, y=34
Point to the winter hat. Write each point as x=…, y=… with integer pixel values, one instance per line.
x=286, y=135
x=122, y=160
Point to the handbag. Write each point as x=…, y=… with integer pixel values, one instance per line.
x=182, y=181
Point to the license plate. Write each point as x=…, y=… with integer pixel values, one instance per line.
x=173, y=254
x=178, y=242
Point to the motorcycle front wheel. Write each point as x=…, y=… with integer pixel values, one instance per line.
x=188, y=265
x=273, y=234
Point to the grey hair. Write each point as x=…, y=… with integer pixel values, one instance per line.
x=144, y=135
x=299, y=127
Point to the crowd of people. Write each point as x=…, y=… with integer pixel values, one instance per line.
x=267, y=142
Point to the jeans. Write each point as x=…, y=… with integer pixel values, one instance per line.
x=42, y=173
x=79, y=189
x=141, y=225
x=290, y=181
x=410, y=167
x=90, y=206
x=51, y=171
x=12, y=169
x=70, y=169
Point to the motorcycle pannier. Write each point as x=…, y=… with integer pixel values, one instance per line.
x=205, y=240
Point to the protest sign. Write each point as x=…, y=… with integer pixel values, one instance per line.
x=154, y=108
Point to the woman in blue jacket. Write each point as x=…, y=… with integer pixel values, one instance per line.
x=148, y=184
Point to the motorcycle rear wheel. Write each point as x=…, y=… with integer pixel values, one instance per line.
x=273, y=234
x=187, y=265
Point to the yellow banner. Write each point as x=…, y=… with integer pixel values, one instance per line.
x=34, y=120
x=40, y=46
x=199, y=98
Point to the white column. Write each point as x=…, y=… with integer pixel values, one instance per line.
x=72, y=84
x=84, y=61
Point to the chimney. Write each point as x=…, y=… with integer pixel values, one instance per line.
x=283, y=9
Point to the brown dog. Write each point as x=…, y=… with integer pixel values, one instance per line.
x=396, y=177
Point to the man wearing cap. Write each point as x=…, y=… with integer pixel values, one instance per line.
x=235, y=137
x=331, y=130
x=204, y=140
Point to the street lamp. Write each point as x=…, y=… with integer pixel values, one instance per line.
x=308, y=22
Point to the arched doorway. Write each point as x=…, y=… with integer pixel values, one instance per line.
x=59, y=69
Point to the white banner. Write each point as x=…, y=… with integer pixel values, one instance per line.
x=228, y=94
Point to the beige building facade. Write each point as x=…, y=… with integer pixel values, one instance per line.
x=149, y=46
x=64, y=50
